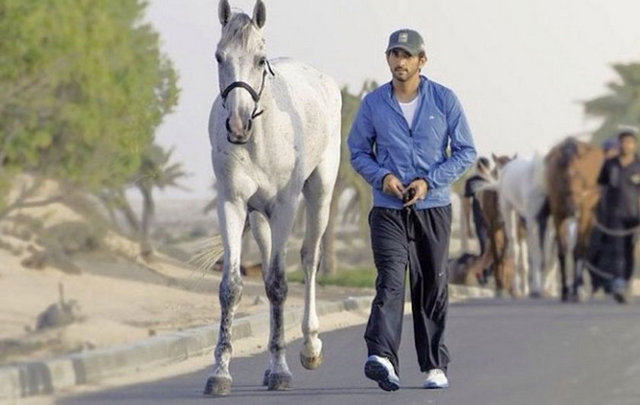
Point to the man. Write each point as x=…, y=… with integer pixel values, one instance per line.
x=398, y=143
x=610, y=148
x=471, y=207
x=619, y=211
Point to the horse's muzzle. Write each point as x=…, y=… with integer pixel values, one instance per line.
x=236, y=139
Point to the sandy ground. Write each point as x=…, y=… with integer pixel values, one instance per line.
x=122, y=299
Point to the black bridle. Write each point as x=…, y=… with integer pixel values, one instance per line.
x=255, y=95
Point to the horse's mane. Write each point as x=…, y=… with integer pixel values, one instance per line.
x=567, y=149
x=241, y=28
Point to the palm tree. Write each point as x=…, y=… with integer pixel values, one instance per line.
x=347, y=179
x=155, y=172
x=621, y=106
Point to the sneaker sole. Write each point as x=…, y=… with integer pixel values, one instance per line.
x=378, y=373
x=435, y=386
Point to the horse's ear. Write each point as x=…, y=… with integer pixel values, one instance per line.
x=494, y=157
x=224, y=12
x=259, y=14
x=514, y=156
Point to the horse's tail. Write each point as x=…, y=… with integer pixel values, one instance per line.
x=208, y=254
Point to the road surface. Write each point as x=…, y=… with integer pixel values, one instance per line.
x=503, y=352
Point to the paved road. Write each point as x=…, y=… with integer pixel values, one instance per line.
x=504, y=352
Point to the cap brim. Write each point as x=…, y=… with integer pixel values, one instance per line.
x=410, y=51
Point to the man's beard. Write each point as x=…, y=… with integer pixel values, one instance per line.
x=401, y=76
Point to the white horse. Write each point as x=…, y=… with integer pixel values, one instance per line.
x=275, y=133
x=523, y=195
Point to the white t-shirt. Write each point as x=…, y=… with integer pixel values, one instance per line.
x=409, y=110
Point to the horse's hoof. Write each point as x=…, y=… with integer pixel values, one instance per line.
x=219, y=386
x=279, y=382
x=265, y=379
x=535, y=294
x=311, y=363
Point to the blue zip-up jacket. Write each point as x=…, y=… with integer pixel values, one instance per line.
x=382, y=142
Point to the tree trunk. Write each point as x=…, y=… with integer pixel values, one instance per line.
x=328, y=254
x=365, y=207
x=123, y=206
x=148, y=211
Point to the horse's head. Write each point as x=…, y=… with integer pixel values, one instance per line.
x=242, y=68
x=500, y=162
x=572, y=171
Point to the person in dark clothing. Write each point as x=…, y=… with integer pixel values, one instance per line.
x=610, y=147
x=471, y=205
x=471, y=208
x=618, y=211
x=398, y=144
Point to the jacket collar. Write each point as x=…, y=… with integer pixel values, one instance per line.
x=423, y=87
x=393, y=102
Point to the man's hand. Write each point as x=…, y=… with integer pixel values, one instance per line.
x=391, y=185
x=420, y=188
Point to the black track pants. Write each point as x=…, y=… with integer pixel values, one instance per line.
x=417, y=240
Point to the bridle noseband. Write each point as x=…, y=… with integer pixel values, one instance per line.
x=255, y=95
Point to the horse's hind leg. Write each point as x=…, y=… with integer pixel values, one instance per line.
x=279, y=376
x=317, y=192
x=232, y=220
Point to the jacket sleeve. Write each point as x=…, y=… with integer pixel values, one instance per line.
x=463, y=151
x=603, y=177
x=361, y=142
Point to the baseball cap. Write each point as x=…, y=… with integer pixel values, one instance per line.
x=610, y=143
x=407, y=40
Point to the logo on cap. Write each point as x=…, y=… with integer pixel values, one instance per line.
x=403, y=37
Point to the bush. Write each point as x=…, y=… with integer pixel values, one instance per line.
x=61, y=241
x=73, y=237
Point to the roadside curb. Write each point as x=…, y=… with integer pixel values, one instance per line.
x=55, y=374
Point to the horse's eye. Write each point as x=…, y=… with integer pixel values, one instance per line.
x=218, y=58
x=262, y=61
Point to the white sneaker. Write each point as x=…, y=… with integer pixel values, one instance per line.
x=380, y=370
x=436, y=378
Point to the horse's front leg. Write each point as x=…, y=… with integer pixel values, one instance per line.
x=279, y=377
x=513, y=244
x=570, y=232
x=232, y=217
x=535, y=256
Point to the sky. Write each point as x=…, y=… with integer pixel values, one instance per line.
x=521, y=68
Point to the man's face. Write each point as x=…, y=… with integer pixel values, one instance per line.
x=627, y=145
x=403, y=66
